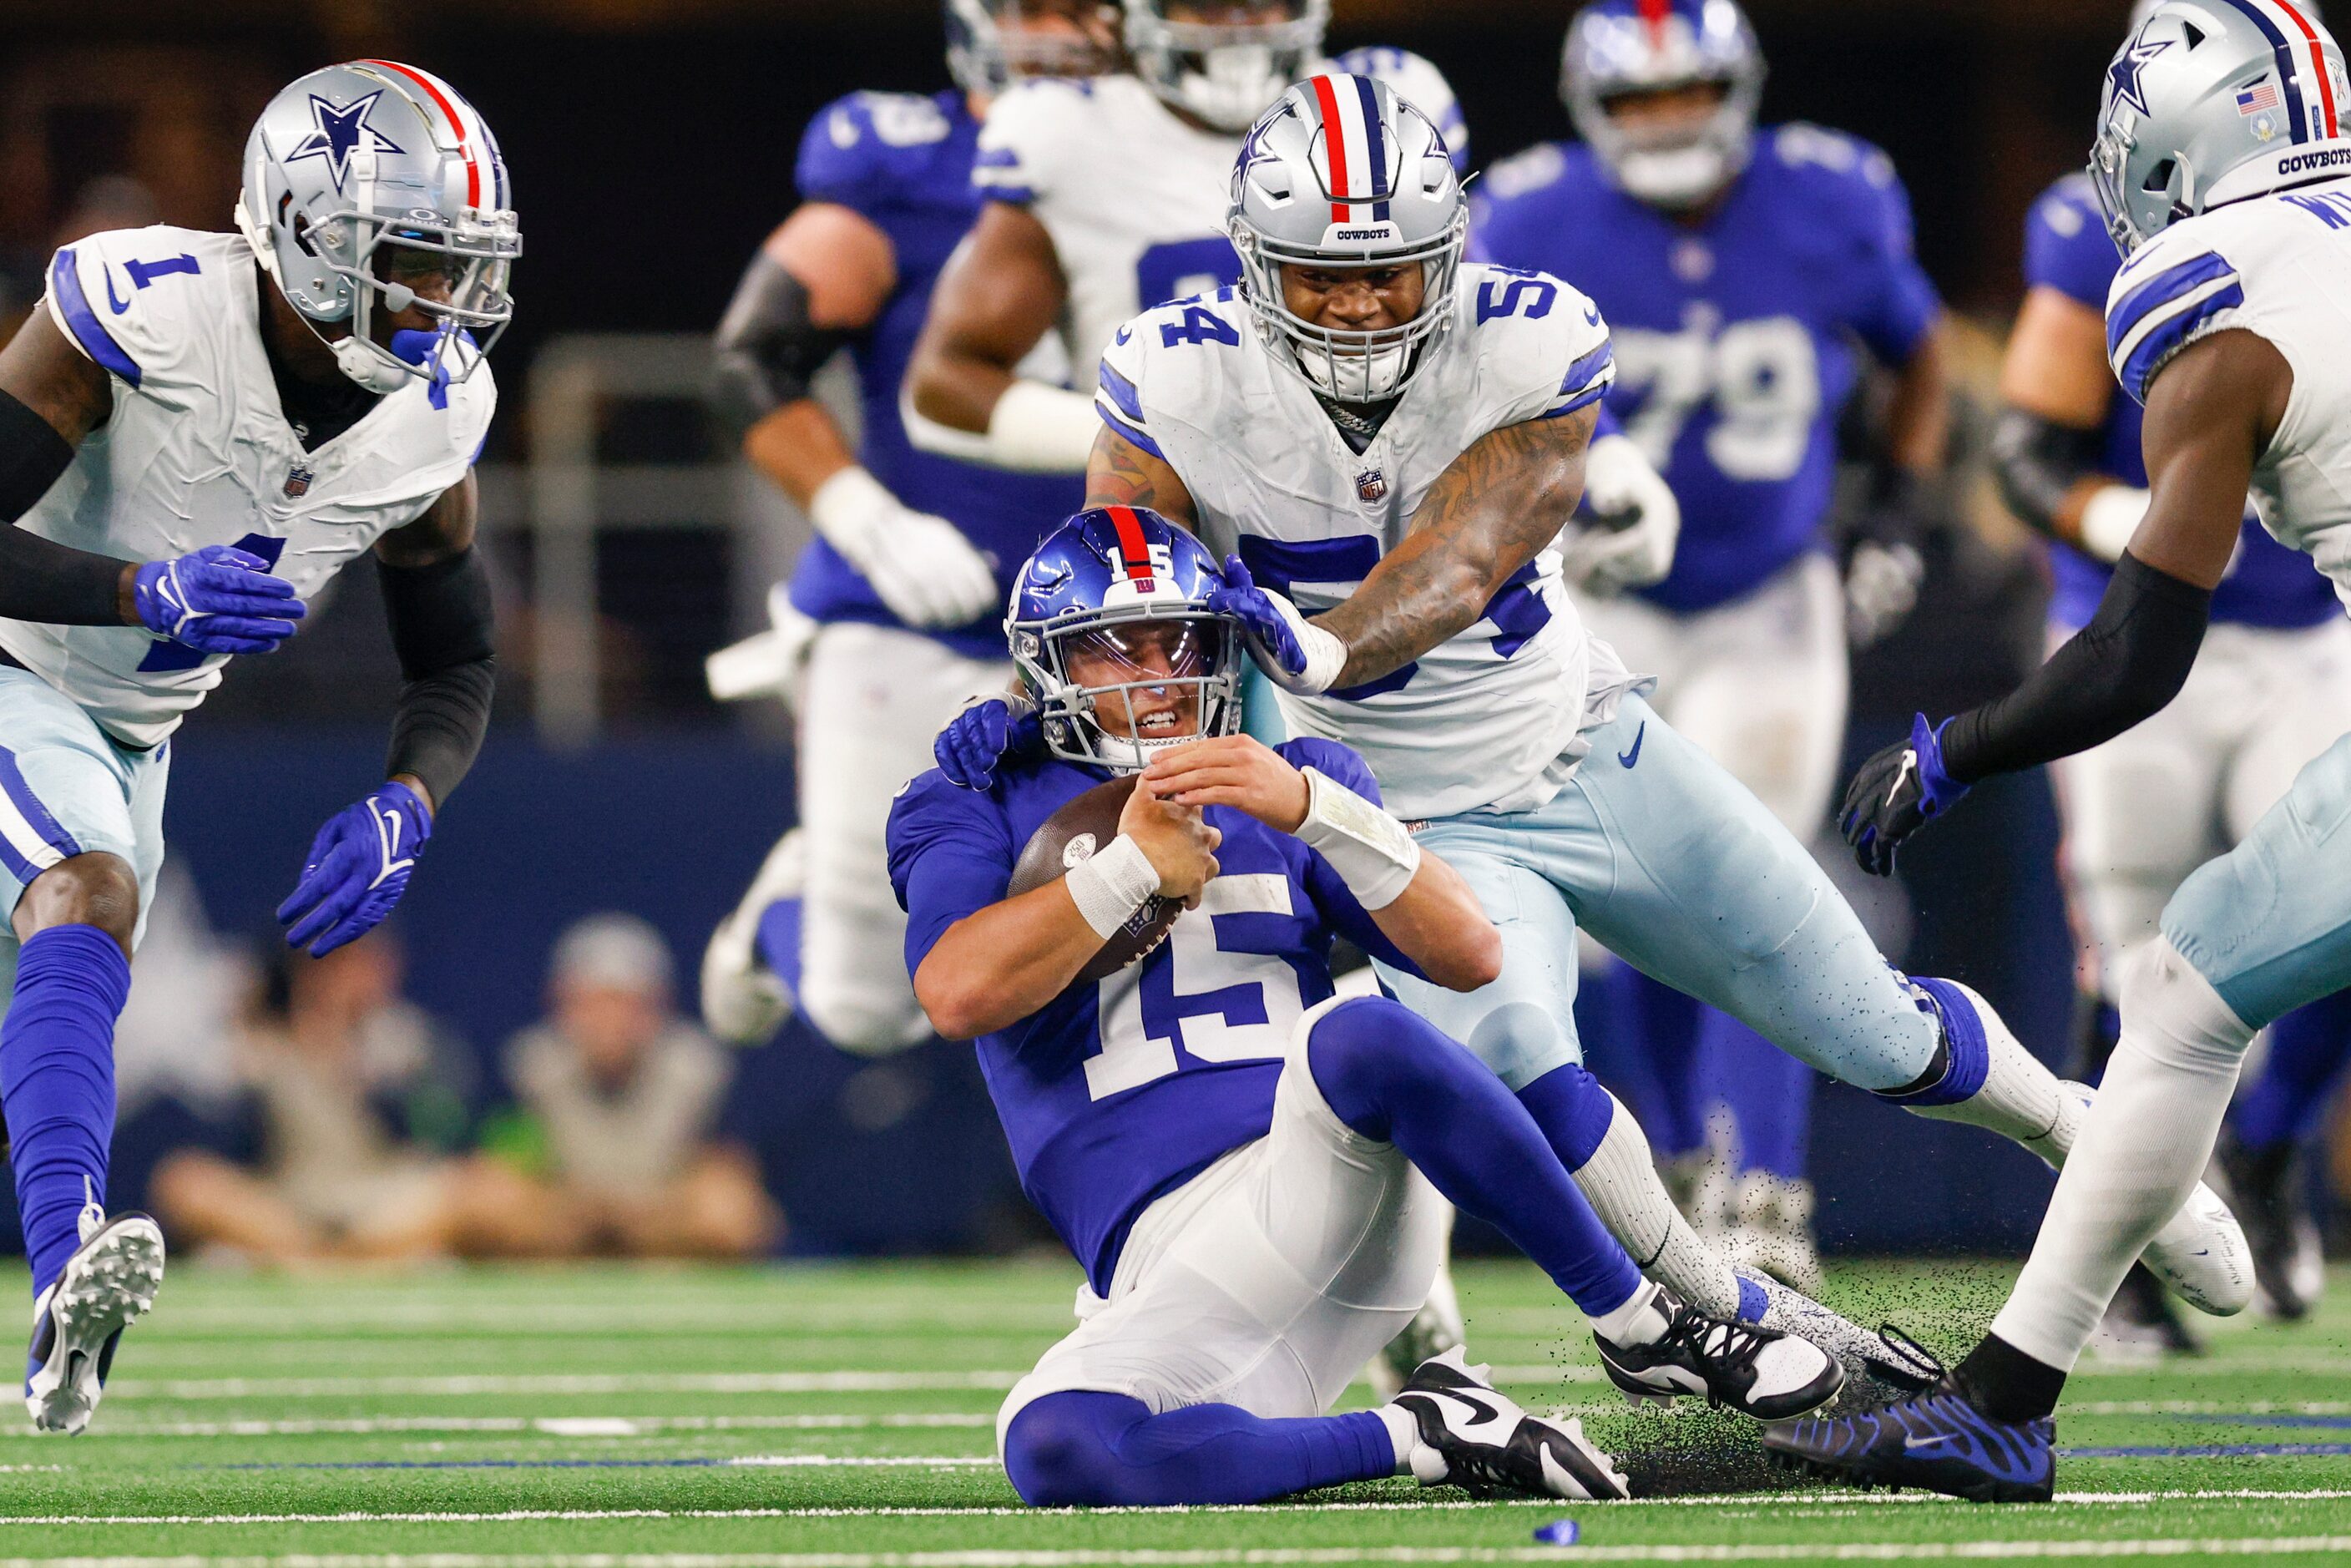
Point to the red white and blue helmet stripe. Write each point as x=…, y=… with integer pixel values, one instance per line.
x=1355, y=156
x=467, y=134
x=2312, y=110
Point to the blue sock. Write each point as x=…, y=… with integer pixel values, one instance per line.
x=57, y=1083
x=779, y=942
x=2308, y=1047
x=1769, y=1093
x=1084, y=1449
x=1390, y=1075
x=1672, y=1031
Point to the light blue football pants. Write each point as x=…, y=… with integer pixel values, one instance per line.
x=2269, y=923
x=1664, y=856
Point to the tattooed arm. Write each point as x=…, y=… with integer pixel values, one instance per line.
x=1488, y=515
x=1121, y=473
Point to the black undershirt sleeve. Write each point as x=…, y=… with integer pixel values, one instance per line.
x=2039, y=464
x=768, y=351
x=41, y=580
x=442, y=622
x=2119, y=671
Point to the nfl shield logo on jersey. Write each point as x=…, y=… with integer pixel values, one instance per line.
x=1372, y=485
x=297, y=480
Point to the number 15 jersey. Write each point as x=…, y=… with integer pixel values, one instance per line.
x=1491, y=718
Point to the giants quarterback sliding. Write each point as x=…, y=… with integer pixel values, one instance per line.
x=196, y=431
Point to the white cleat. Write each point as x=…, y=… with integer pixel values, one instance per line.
x=743, y=1002
x=1469, y=1436
x=1434, y=1330
x=108, y=1285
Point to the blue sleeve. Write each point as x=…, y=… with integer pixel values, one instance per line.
x=2067, y=248
x=1338, y=906
x=1898, y=305
x=951, y=855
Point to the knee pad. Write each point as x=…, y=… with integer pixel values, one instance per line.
x=1522, y=1041
x=1059, y=1452
x=2172, y=1012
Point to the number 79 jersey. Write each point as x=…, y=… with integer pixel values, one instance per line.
x=197, y=451
x=1491, y=718
x=1122, y=1090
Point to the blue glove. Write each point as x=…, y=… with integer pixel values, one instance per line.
x=1897, y=792
x=1294, y=653
x=217, y=600
x=983, y=734
x=358, y=869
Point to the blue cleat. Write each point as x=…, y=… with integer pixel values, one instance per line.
x=1938, y=1441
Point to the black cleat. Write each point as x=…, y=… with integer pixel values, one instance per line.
x=2266, y=1190
x=1938, y=1441
x=1473, y=1438
x=1755, y=1371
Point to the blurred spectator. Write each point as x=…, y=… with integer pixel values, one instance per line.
x=620, y=1099
x=357, y=1101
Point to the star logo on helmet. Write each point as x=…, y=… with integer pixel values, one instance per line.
x=336, y=134
x=2122, y=77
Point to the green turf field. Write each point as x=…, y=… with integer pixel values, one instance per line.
x=611, y=1418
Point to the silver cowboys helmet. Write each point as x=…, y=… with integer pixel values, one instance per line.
x=1343, y=175
x=2210, y=102
x=1224, y=72
x=986, y=54
x=374, y=183
x=1619, y=47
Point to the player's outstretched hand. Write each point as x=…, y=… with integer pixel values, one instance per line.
x=1177, y=840
x=1897, y=792
x=1296, y=655
x=976, y=739
x=1233, y=770
x=217, y=600
x=358, y=868
x=1637, y=523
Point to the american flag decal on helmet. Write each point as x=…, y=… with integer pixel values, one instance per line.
x=1355, y=148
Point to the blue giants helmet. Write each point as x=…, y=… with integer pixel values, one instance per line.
x=1125, y=590
x=1619, y=47
x=2210, y=102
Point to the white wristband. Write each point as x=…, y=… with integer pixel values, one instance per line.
x=1038, y=429
x=1371, y=850
x=2110, y=518
x=1112, y=883
x=848, y=507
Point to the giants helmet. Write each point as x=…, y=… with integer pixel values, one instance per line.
x=1224, y=73
x=1617, y=48
x=1343, y=174
x=1095, y=582
x=2210, y=102
x=363, y=180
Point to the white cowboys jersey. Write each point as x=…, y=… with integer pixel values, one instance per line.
x=197, y=453
x=1489, y=719
x=2279, y=267
x=1134, y=196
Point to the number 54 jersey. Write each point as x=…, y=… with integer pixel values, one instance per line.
x=198, y=452
x=1120, y=1091
x=1493, y=718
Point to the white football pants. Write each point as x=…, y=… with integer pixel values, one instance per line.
x=876, y=698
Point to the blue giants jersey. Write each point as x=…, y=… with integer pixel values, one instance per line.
x=2066, y=248
x=904, y=163
x=1124, y=1090
x=1734, y=336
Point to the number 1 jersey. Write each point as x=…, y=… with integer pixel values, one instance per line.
x=1124, y=1090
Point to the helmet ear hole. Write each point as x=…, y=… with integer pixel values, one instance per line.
x=2195, y=33
x=2159, y=178
x=301, y=229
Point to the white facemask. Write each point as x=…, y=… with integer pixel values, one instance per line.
x=1674, y=178
x=1356, y=378
x=1233, y=86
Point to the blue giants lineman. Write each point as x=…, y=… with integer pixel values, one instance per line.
x=1738, y=273
x=1246, y=1167
x=895, y=602
x=197, y=432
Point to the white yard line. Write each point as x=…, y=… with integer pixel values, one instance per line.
x=841, y=1382
x=544, y=1426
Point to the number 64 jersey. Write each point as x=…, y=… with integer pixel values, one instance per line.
x=1493, y=718
x=197, y=451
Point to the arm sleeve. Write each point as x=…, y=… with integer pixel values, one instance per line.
x=1340, y=909
x=2118, y=671
x=768, y=351
x=442, y=624
x=2038, y=464
x=40, y=579
x=951, y=856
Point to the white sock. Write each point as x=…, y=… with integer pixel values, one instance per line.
x=1404, y=1431
x=1639, y=1321
x=2139, y=1155
x=2020, y=1100
x=1620, y=1181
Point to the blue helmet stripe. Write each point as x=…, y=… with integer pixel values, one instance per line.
x=2123, y=318
x=2288, y=75
x=1376, y=148
x=65, y=286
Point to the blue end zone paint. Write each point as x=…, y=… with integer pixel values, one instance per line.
x=2325, y=1421
x=2216, y=1451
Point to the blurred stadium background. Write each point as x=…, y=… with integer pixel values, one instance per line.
x=653, y=142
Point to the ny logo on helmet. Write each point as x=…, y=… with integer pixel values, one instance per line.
x=336, y=134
